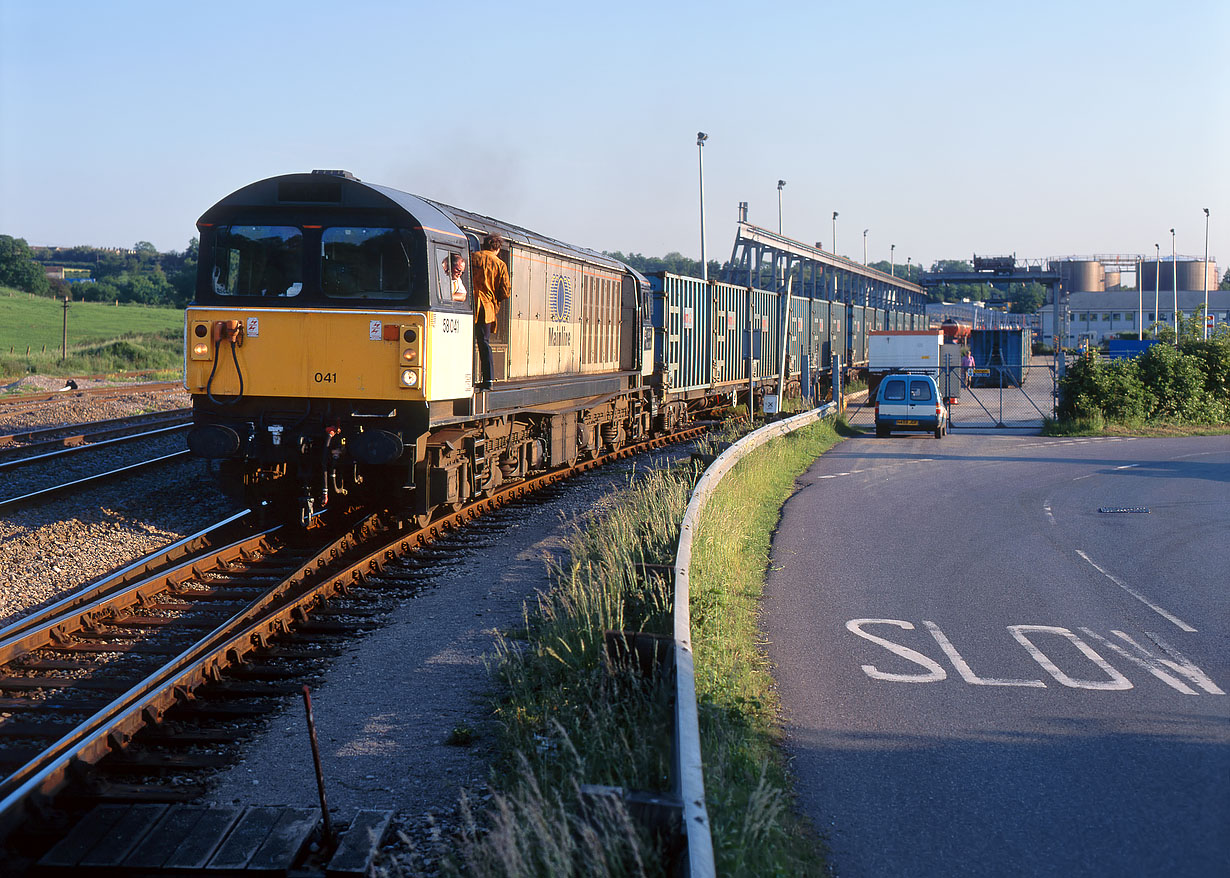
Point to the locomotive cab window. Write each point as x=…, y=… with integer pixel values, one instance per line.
x=453, y=276
x=257, y=261
x=366, y=263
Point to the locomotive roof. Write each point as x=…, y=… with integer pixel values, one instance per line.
x=343, y=190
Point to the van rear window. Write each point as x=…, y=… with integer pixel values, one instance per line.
x=894, y=389
x=920, y=391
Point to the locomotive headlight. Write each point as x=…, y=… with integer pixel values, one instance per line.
x=410, y=353
x=200, y=348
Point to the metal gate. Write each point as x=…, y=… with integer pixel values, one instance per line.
x=1001, y=396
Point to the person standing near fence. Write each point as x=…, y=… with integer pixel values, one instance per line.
x=967, y=368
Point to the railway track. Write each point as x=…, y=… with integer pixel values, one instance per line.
x=84, y=455
x=49, y=442
x=93, y=392
x=167, y=660
x=62, y=488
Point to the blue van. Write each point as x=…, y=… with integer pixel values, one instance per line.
x=910, y=402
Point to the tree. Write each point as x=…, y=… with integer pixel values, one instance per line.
x=18, y=269
x=1225, y=281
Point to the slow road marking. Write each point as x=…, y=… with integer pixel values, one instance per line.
x=1045, y=644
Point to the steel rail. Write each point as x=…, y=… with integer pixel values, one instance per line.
x=147, y=701
x=87, y=428
x=90, y=446
x=97, y=392
x=689, y=768
x=45, y=493
x=162, y=563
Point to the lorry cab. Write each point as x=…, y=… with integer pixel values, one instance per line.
x=910, y=402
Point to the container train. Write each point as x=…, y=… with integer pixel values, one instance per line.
x=330, y=358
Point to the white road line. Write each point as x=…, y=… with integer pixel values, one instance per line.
x=1183, y=626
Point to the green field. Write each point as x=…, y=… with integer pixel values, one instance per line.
x=101, y=338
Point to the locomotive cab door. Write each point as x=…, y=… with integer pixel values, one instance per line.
x=501, y=337
x=450, y=327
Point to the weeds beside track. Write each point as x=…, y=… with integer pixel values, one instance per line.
x=572, y=718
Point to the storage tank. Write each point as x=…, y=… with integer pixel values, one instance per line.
x=1192, y=274
x=1112, y=278
x=1189, y=272
x=1082, y=275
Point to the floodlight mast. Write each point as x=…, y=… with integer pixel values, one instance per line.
x=701, y=137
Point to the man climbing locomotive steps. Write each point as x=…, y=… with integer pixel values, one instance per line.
x=491, y=288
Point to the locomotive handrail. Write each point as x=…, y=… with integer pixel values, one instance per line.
x=688, y=769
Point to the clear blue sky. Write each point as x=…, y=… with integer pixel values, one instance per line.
x=946, y=128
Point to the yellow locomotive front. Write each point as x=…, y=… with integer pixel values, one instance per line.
x=325, y=325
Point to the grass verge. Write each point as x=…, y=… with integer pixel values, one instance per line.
x=101, y=338
x=572, y=716
x=1095, y=425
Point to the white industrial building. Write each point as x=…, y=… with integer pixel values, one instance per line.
x=1094, y=317
x=1096, y=313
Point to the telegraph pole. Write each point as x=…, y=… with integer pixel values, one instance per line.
x=64, y=333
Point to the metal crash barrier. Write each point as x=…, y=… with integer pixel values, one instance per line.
x=688, y=770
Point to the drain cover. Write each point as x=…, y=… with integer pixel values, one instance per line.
x=1144, y=509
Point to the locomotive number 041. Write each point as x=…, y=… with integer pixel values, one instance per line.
x=325, y=377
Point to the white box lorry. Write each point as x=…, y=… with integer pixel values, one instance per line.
x=902, y=350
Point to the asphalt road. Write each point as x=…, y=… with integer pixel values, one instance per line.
x=984, y=674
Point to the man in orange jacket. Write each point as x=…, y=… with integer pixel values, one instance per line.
x=489, y=275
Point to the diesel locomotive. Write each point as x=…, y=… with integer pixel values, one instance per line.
x=330, y=357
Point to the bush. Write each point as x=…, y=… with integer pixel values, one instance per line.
x=1185, y=385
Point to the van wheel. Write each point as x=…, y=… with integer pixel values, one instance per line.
x=939, y=431
x=881, y=432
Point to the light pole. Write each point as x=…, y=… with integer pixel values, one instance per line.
x=781, y=184
x=1174, y=280
x=1157, y=282
x=865, y=231
x=834, y=233
x=1205, y=272
x=701, y=137
x=1140, y=303
x=892, y=264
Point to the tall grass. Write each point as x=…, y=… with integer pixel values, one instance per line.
x=572, y=717
x=756, y=830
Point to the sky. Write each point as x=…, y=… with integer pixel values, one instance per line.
x=944, y=128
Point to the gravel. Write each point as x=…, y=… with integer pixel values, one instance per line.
x=50, y=548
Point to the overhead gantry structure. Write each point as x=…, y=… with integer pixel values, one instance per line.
x=764, y=259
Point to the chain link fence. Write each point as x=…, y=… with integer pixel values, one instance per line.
x=993, y=396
